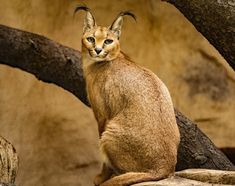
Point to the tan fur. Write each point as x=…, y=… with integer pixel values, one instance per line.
x=139, y=136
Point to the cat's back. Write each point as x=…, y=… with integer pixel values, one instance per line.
x=134, y=80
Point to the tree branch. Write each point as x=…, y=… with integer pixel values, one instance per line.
x=213, y=19
x=46, y=59
x=54, y=63
x=196, y=150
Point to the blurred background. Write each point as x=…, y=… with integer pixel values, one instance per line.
x=56, y=135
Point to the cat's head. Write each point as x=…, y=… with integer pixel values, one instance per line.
x=101, y=43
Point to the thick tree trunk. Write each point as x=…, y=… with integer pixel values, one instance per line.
x=8, y=162
x=215, y=19
x=52, y=62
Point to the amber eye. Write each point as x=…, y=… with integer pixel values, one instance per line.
x=90, y=39
x=108, y=41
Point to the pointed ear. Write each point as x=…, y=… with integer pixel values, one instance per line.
x=89, y=21
x=117, y=23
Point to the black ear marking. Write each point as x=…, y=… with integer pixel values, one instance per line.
x=128, y=13
x=122, y=14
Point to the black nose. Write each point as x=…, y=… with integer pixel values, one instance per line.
x=98, y=50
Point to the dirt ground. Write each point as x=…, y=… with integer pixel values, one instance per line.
x=56, y=135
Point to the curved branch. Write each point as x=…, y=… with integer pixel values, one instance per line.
x=52, y=62
x=46, y=59
x=213, y=19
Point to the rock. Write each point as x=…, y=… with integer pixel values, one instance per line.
x=177, y=181
x=211, y=176
x=173, y=181
x=196, y=177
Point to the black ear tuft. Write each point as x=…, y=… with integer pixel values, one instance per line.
x=128, y=13
x=82, y=7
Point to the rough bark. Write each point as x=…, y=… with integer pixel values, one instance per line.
x=52, y=62
x=213, y=19
x=8, y=162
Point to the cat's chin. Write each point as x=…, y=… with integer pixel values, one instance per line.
x=98, y=59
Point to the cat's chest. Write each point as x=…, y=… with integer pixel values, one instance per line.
x=100, y=90
x=97, y=92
